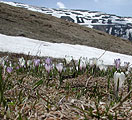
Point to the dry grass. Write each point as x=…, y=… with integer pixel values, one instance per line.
x=53, y=103
x=78, y=98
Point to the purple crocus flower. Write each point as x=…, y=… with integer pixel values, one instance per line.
x=48, y=68
x=9, y=69
x=48, y=61
x=117, y=63
x=36, y=62
x=59, y=67
x=17, y=67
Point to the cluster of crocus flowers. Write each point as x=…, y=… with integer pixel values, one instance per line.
x=98, y=63
x=80, y=64
x=91, y=62
x=119, y=79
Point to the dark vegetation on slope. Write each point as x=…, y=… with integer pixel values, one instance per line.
x=21, y=22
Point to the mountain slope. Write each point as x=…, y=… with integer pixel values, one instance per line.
x=21, y=22
x=22, y=45
x=109, y=23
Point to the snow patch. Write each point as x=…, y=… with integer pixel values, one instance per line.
x=57, y=50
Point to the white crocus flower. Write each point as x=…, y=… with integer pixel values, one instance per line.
x=86, y=61
x=68, y=59
x=59, y=67
x=82, y=65
x=103, y=67
x=127, y=72
x=29, y=62
x=77, y=68
x=2, y=60
x=48, y=68
x=99, y=62
x=121, y=77
x=126, y=64
x=129, y=69
x=83, y=59
x=10, y=64
x=93, y=61
x=5, y=69
x=21, y=61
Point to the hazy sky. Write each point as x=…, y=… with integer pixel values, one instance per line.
x=118, y=7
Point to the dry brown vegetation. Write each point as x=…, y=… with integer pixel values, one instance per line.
x=87, y=96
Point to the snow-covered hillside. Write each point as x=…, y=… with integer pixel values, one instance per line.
x=57, y=50
x=112, y=24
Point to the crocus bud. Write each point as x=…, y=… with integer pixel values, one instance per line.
x=21, y=62
x=127, y=72
x=87, y=61
x=126, y=64
x=3, y=60
x=9, y=69
x=48, y=61
x=36, y=62
x=129, y=69
x=17, y=67
x=117, y=63
x=59, y=67
x=48, y=68
x=82, y=65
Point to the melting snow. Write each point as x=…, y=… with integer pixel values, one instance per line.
x=57, y=50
